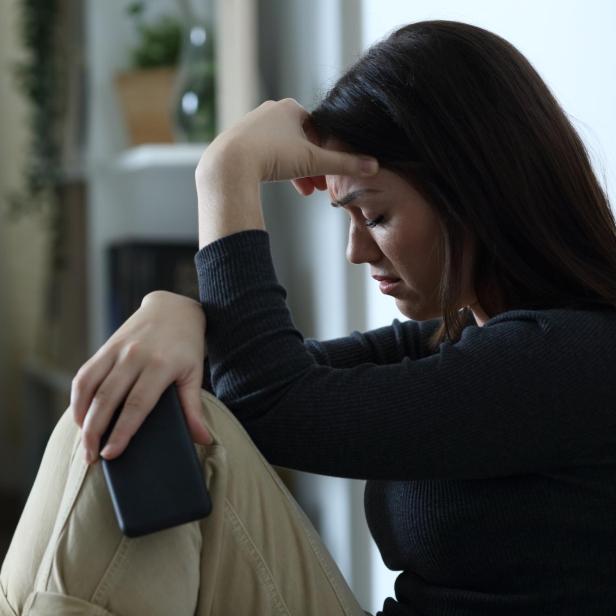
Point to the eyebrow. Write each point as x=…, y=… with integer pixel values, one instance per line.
x=352, y=196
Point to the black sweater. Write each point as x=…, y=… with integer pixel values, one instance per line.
x=491, y=464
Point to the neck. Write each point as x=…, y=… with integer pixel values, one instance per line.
x=479, y=313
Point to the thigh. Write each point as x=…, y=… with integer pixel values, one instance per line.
x=73, y=559
x=269, y=558
x=36, y=523
x=257, y=553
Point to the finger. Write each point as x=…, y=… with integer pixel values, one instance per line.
x=319, y=182
x=141, y=400
x=108, y=397
x=296, y=185
x=87, y=381
x=297, y=108
x=304, y=186
x=334, y=162
x=189, y=395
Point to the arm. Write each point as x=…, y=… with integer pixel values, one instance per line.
x=385, y=345
x=268, y=144
x=492, y=404
x=495, y=403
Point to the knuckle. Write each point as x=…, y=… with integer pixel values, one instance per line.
x=132, y=350
x=113, y=347
x=76, y=412
x=101, y=398
x=89, y=435
x=79, y=380
x=134, y=404
x=158, y=359
x=157, y=293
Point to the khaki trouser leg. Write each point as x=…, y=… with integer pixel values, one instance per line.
x=256, y=554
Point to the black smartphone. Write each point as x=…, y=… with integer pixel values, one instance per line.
x=157, y=482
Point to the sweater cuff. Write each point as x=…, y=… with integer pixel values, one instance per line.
x=233, y=263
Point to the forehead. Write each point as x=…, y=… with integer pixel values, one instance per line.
x=337, y=185
x=340, y=185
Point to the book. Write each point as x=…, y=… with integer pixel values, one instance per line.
x=137, y=267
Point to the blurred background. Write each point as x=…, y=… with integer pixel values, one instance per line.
x=105, y=108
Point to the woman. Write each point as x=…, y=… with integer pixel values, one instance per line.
x=484, y=426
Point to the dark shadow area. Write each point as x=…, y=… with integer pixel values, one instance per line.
x=9, y=515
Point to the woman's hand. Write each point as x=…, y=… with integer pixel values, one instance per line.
x=163, y=342
x=271, y=143
x=276, y=140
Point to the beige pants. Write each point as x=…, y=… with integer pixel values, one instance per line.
x=256, y=553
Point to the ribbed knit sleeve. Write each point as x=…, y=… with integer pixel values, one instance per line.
x=504, y=399
x=385, y=345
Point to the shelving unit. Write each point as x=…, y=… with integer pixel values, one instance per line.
x=159, y=156
x=148, y=192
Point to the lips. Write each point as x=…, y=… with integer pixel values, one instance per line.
x=387, y=284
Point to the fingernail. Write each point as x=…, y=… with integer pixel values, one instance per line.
x=368, y=166
x=107, y=450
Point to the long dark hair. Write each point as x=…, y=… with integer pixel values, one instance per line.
x=461, y=114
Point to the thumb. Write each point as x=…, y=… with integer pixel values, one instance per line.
x=190, y=400
x=333, y=162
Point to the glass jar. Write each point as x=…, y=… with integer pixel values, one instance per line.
x=194, y=100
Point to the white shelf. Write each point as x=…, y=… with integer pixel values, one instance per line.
x=148, y=191
x=160, y=156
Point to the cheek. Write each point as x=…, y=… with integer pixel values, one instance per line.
x=408, y=247
x=414, y=253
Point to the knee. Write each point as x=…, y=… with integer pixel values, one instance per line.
x=217, y=417
x=224, y=426
x=66, y=432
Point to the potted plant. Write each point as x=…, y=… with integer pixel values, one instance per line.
x=146, y=90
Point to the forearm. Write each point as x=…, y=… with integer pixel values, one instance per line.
x=268, y=145
x=228, y=192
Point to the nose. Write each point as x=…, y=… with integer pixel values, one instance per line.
x=361, y=247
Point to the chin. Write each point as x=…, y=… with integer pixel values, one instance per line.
x=417, y=312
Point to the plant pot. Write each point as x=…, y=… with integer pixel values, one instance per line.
x=146, y=97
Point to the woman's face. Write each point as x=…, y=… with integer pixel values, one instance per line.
x=395, y=231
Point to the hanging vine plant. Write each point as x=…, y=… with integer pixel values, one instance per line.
x=39, y=78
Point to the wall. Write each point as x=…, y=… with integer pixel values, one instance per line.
x=114, y=195
x=23, y=250
x=303, y=49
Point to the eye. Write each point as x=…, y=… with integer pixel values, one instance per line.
x=374, y=222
